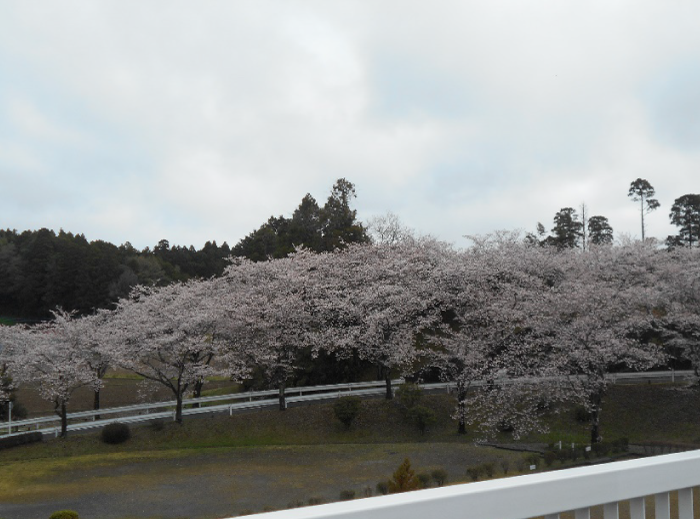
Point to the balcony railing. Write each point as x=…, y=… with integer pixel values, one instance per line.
x=545, y=494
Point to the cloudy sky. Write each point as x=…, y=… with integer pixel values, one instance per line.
x=192, y=121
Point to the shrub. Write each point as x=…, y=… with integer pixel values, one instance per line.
x=64, y=514
x=346, y=409
x=404, y=479
x=20, y=439
x=521, y=464
x=423, y=417
x=367, y=492
x=347, y=495
x=550, y=457
x=532, y=459
x=315, y=501
x=115, y=433
x=488, y=469
x=296, y=504
x=383, y=488
x=505, y=465
x=424, y=479
x=439, y=476
x=408, y=395
x=474, y=472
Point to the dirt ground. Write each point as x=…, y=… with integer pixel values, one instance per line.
x=229, y=482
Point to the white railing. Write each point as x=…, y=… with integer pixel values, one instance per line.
x=165, y=410
x=257, y=399
x=544, y=494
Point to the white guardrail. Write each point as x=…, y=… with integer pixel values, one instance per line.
x=544, y=494
x=257, y=399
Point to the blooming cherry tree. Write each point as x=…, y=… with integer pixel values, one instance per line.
x=381, y=299
x=595, y=319
x=268, y=317
x=168, y=335
x=52, y=356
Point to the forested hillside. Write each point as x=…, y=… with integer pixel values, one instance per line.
x=41, y=270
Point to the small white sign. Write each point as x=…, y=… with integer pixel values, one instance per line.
x=588, y=449
x=533, y=467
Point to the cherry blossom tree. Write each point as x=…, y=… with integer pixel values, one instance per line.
x=680, y=281
x=7, y=349
x=381, y=299
x=490, y=339
x=52, y=357
x=168, y=335
x=597, y=318
x=268, y=317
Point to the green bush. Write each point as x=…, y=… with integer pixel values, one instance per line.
x=346, y=409
x=474, y=472
x=315, y=501
x=20, y=439
x=505, y=465
x=383, y=488
x=423, y=416
x=550, y=457
x=488, y=469
x=424, y=479
x=64, y=514
x=439, y=476
x=347, y=495
x=404, y=479
x=115, y=433
x=408, y=395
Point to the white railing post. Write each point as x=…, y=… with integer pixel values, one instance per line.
x=685, y=503
x=663, y=506
x=611, y=511
x=637, y=508
x=582, y=513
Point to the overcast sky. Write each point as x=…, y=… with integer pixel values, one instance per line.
x=191, y=121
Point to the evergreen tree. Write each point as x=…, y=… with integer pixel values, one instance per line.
x=567, y=230
x=599, y=231
x=685, y=213
x=641, y=191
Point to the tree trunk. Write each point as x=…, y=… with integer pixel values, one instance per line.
x=64, y=420
x=197, y=392
x=178, y=408
x=96, y=403
x=282, y=399
x=596, y=402
x=387, y=379
x=461, y=412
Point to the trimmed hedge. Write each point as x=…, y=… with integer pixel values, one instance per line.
x=20, y=439
x=115, y=433
x=64, y=514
